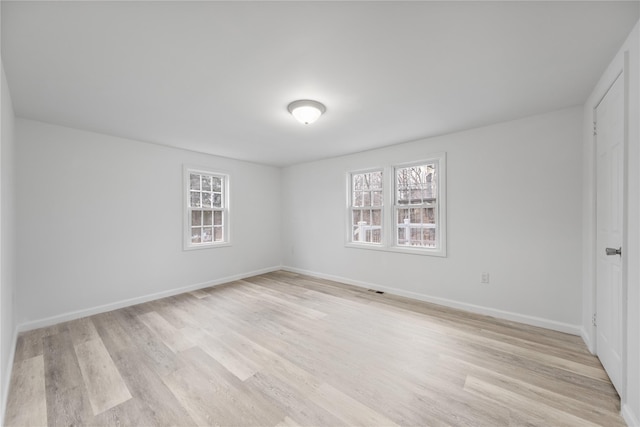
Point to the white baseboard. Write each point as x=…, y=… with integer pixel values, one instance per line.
x=632, y=420
x=6, y=380
x=500, y=314
x=48, y=321
x=587, y=340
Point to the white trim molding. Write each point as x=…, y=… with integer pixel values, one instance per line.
x=587, y=340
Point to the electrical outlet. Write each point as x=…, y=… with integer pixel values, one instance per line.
x=484, y=278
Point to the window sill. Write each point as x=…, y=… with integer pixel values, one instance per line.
x=399, y=249
x=206, y=246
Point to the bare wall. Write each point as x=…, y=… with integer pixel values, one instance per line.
x=101, y=221
x=514, y=210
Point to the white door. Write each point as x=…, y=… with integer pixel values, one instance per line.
x=609, y=137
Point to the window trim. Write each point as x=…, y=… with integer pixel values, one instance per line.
x=389, y=211
x=186, y=188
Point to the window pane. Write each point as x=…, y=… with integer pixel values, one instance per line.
x=429, y=237
x=196, y=218
x=416, y=216
x=206, y=200
x=402, y=232
x=364, y=231
x=194, y=181
x=417, y=227
x=366, y=198
x=216, y=184
x=357, y=181
x=357, y=217
x=207, y=235
x=366, y=216
x=429, y=215
x=376, y=217
x=416, y=236
x=376, y=180
x=377, y=198
x=402, y=197
x=415, y=195
x=402, y=185
x=196, y=232
x=403, y=216
x=195, y=199
x=217, y=234
x=416, y=184
x=206, y=183
x=207, y=217
x=357, y=198
x=217, y=218
x=366, y=181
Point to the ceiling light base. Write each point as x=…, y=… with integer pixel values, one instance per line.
x=306, y=111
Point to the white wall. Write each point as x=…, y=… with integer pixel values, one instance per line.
x=101, y=222
x=628, y=61
x=514, y=210
x=7, y=239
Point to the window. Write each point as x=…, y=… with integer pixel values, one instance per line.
x=366, y=207
x=416, y=205
x=206, y=222
x=399, y=208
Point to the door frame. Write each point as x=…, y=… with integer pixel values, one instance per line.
x=620, y=65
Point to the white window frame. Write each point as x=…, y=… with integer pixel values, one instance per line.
x=351, y=208
x=389, y=210
x=187, y=226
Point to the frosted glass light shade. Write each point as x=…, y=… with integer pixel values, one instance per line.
x=306, y=111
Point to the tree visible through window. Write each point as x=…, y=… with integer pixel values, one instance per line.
x=206, y=208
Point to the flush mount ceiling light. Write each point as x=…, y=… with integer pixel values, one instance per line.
x=306, y=111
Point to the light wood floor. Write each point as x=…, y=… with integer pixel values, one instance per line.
x=284, y=349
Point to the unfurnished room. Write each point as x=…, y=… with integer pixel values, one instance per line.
x=320, y=213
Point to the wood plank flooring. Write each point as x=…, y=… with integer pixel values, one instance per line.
x=283, y=349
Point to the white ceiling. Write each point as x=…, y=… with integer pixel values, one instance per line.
x=216, y=77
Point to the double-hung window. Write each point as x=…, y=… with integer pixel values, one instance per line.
x=416, y=205
x=206, y=209
x=399, y=208
x=366, y=197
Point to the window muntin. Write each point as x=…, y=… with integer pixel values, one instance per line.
x=416, y=205
x=366, y=207
x=206, y=209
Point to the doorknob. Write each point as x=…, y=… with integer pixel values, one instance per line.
x=613, y=251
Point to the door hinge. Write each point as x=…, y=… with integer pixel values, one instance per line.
x=594, y=319
x=595, y=129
